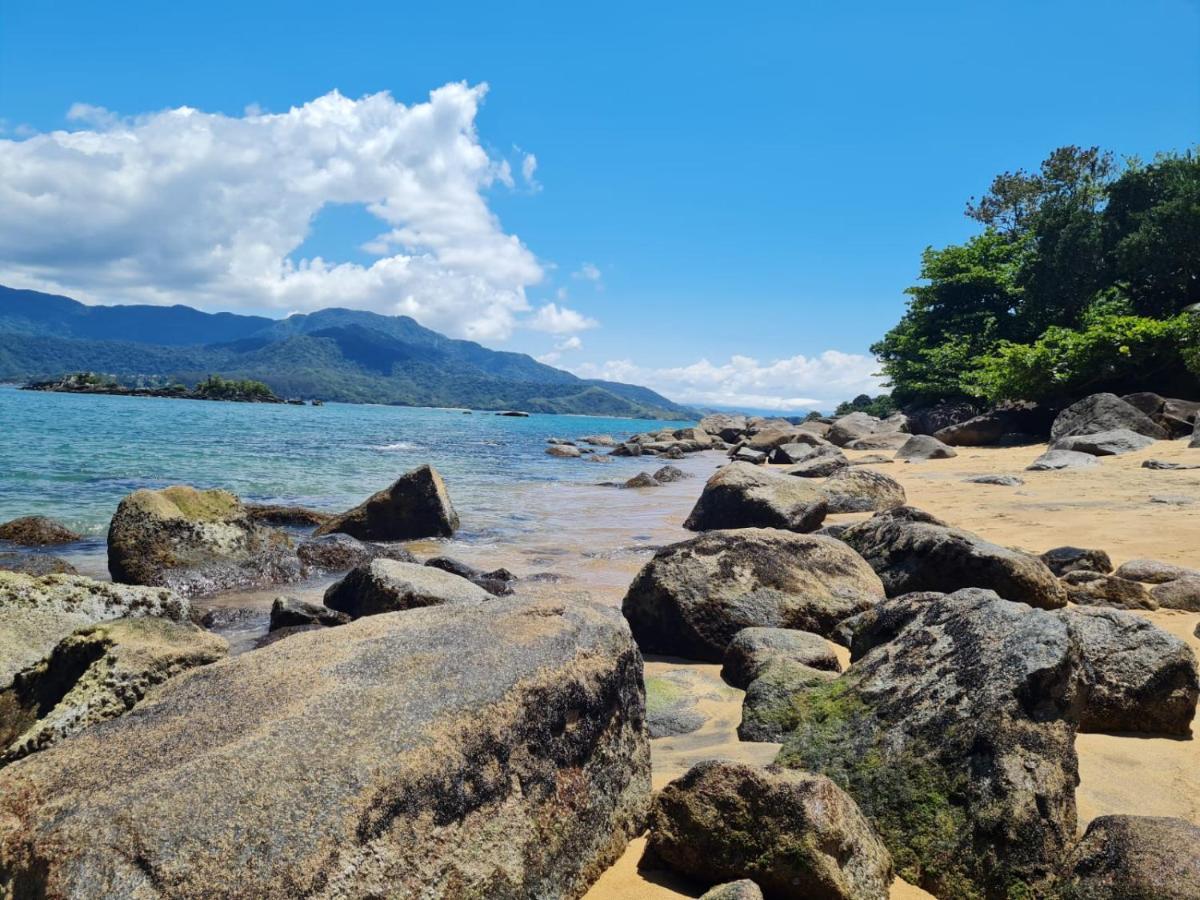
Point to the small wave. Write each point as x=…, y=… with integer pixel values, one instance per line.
x=392, y=448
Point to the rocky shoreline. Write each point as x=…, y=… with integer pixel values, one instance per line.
x=472, y=732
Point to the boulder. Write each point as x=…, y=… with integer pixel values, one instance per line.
x=37, y=613
x=641, y=480
x=1166, y=465
x=1105, y=443
x=1085, y=588
x=1006, y=424
x=668, y=474
x=778, y=435
x=1152, y=571
x=1054, y=460
x=195, y=542
x=747, y=455
x=913, y=551
x=923, y=446
x=279, y=515
x=670, y=708
x=1136, y=858
x=769, y=710
x=37, y=531
x=1177, y=416
x=386, y=585
x=752, y=648
x=470, y=752
x=340, y=552
x=97, y=673
x=627, y=449
x=999, y=480
x=743, y=889
x=1062, y=560
x=792, y=833
x=729, y=428
x=497, y=582
x=1182, y=593
x=1195, y=441
x=944, y=413
x=851, y=427
x=1100, y=413
x=743, y=496
x=888, y=440
x=788, y=454
x=290, y=612
x=598, y=440
x=416, y=505
x=850, y=490
x=818, y=465
x=692, y=598
x=35, y=564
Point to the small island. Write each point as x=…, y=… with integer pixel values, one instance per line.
x=214, y=387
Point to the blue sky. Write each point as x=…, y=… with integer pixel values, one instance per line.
x=753, y=186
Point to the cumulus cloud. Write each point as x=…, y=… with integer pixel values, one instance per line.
x=791, y=384
x=557, y=319
x=183, y=206
x=588, y=272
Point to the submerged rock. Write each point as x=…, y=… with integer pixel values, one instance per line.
x=493, y=752
x=37, y=531
x=564, y=451
x=670, y=708
x=1136, y=858
x=641, y=480
x=741, y=495
x=669, y=474
x=386, y=585
x=416, y=505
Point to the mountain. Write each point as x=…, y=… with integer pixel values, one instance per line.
x=333, y=354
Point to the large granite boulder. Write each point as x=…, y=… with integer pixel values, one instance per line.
x=741, y=495
x=944, y=413
x=924, y=446
x=1105, y=443
x=416, y=505
x=495, y=752
x=340, y=552
x=1103, y=412
x=853, y=427
x=387, y=585
x=97, y=673
x=913, y=551
x=793, y=834
x=752, y=648
x=1136, y=858
x=799, y=451
x=37, y=531
x=38, y=612
x=692, y=598
x=856, y=489
x=1195, y=440
x=195, y=542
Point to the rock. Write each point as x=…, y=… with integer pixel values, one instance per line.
x=670, y=708
x=788, y=454
x=1004, y=424
x=818, y=466
x=641, y=480
x=1173, y=499
x=1151, y=571
x=1104, y=443
x=833, y=531
x=852, y=427
x=1164, y=464
x=861, y=490
x=274, y=514
x=770, y=438
x=1136, y=858
x=225, y=618
x=693, y=597
x=923, y=446
x=597, y=458
x=1177, y=416
x=744, y=496
x=497, y=582
x=37, y=613
x=794, y=834
x=1100, y=413
x=416, y=505
x=1054, y=460
x=944, y=413
x=340, y=552
x=386, y=585
x=1182, y=593
x=885, y=441
x=557, y=440
x=564, y=451
x=752, y=648
x=1195, y=441
x=35, y=564
x=514, y=414
x=37, y=531
x=1062, y=560
x=627, y=449
x=745, y=889
x=727, y=427
x=97, y=673
x=816, y=426
x=1001, y=480
x=913, y=551
x=1086, y=588
x=195, y=542
x=746, y=455
x=289, y=612
x=467, y=752
x=668, y=474
x=673, y=452
x=599, y=440
x=769, y=711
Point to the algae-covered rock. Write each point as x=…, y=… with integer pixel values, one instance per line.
x=416, y=505
x=341, y=552
x=770, y=710
x=493, y=751
x=752, y=648
x=670, y=707
x=742, y=495
x=37, y=531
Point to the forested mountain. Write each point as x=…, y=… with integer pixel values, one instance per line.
x=333, y=354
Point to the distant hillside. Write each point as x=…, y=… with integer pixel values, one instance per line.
x=333, y=354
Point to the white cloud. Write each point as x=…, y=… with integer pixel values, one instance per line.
x=183, y=206
x=529, y=169
x=571, y=343
x=557, y=319
x=589, y=272
x=792, y=384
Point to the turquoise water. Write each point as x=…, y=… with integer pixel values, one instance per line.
x=74, y=457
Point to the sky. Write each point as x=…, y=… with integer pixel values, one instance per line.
x=723, y=202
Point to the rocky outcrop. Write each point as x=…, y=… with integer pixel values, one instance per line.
x=1105, y=443
x=35, y=564
x=97, y=673
x=1086, y=588
x=855, y=489
x=913, y=551
x=37, y=531
x=692, y=598
x=195, y=542
x=416, y=505
x=793, y=834
x=290, y=612
x=1100, y=413
x=923, y=446
x=1055, y=460
x=740, y=495
x=752, y=648
x=497, y=582
x=37, y=613
x=1136, y=858
x=769, y=708
x=492, y=751
x=1062, y=560
x=386, y=585
x=340, y=552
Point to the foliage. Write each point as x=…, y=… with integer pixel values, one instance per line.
x=1077, y=283
x=881, y=406
x=214, y=387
